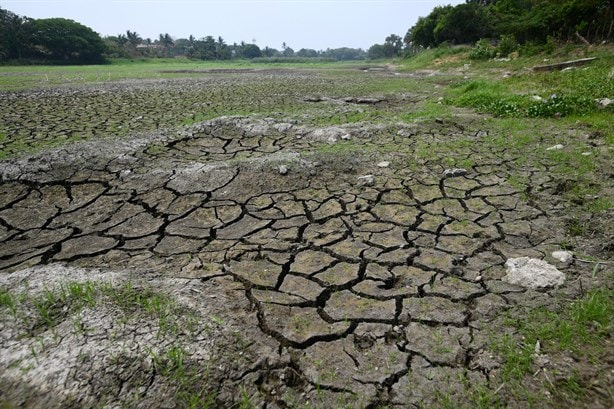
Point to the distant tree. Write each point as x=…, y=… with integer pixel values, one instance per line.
x=13, y=41
x=288, y=52
x=133, y=38
x=251, y=51
x=270, y=52
x=166, y=41
x=122, y=40
x=345, y=54
x=422, y=33
x=307, y=53
x=113, y=49
x=66, y=40
x=376, y=52
x=222, y=51
x=393, y=46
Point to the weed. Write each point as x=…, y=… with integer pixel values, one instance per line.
x=7, y=300
x=581, y=328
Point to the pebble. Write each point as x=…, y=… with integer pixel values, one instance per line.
x=555, y=147
x=452, y=173
x=366, y=180
x=383, y=164
x=283, y=169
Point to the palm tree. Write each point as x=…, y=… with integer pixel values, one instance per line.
x=133, y=38
x=167, y=42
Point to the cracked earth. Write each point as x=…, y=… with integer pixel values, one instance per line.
x=322, y=266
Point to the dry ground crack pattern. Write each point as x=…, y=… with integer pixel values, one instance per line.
x=318, y=285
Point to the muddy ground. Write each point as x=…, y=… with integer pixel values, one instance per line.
x=302, y=262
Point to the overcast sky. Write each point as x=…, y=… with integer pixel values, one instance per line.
x=316, y=24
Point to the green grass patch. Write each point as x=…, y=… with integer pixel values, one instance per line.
x=581, y=328
x=539, y=95
x=55, y=305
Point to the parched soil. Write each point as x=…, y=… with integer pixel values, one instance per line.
x=308, y=263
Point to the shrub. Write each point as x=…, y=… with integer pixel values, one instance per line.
x=483, y=50
x=507, y=45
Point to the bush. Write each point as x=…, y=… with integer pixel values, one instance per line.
x=507, y=45
x=529, y=49
x=483, y=50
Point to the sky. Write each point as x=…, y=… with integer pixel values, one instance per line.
x=315, y=24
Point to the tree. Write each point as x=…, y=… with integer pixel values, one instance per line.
x=251, y=51
x=12, y=40
x=133, y=38
x=65, y=40
x=463, y=24
x=307, y=53
x=423, y=32
x=288, y=52
x=393, y=46
x=166, y=41
x=376, y=52
x=269, y=52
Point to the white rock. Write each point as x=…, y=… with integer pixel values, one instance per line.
x=536, y=98
x=604, y=102
x=283, y=169
x=555, y=147
x=452, y=173
x=383, y=164
x=587, y=153
x=366, y=180
x=563, y=256
x=532, y=273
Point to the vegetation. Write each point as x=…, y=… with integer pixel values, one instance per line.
x=54, y=39
x=524, y=21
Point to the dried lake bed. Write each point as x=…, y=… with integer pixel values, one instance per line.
x=285, y=238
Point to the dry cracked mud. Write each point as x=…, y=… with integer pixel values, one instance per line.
x=311, y=286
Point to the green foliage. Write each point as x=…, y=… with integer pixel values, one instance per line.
x=507, y=45
x=526, y=20
x=64, y=40
x=483, y=50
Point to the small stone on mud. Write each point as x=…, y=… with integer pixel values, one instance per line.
x=452, y=173
x=532, y=273
x=383, y=164
x=366, y=180
x=563, y=256
x=283, y=169
x=555, y=147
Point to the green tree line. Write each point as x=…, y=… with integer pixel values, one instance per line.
x=525, y=20
x=60, y=40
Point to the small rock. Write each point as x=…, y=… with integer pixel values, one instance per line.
x=536, y=98
x=555, y=147
x=366, y=180
x=383, y=164
x=604, y=102
x=283, y=169
x=452, y=173
x=532, y=273
x=346, y=137
x=587, y=153
x=563, y=256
